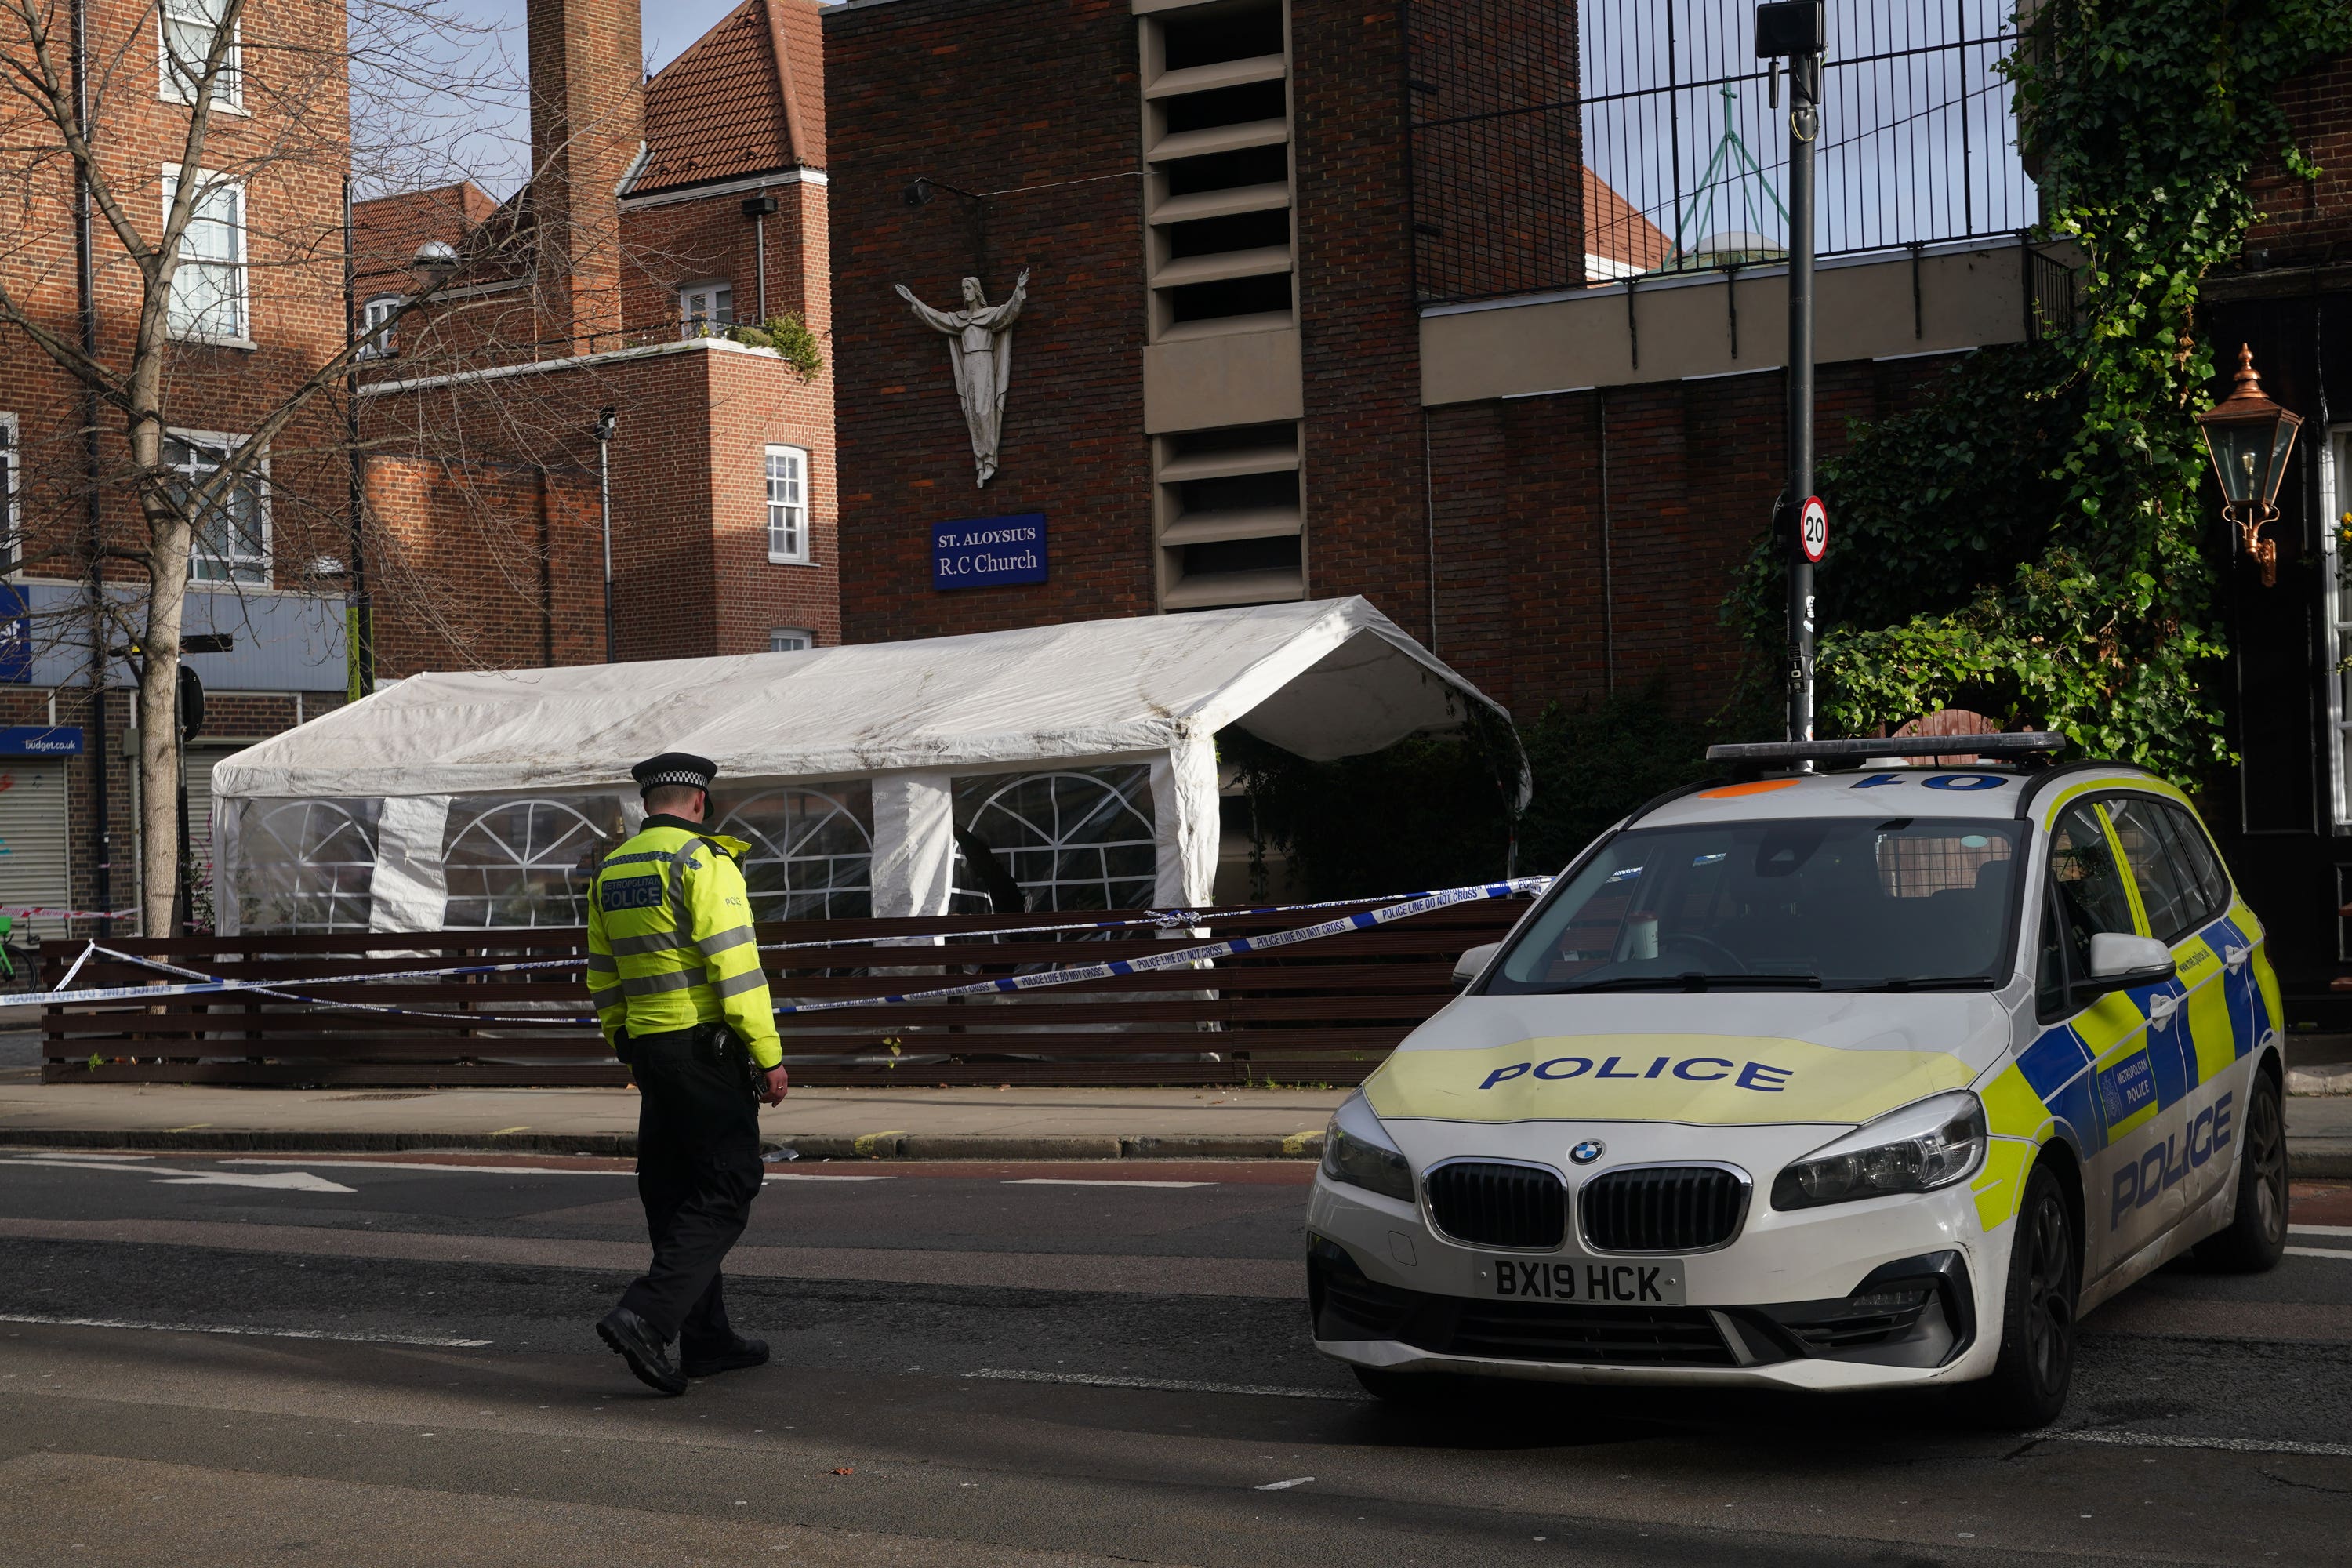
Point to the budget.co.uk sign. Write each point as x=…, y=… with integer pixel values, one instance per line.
x=988, y=551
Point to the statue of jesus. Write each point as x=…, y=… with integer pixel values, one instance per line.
x=979, y=353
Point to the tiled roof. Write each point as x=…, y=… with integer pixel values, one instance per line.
x=718, y=112
x=1614, y=229
x=386, y=230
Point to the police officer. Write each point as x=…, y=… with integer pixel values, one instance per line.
x=674, y=974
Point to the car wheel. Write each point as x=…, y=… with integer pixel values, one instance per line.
x=2256, y=1238
x=2028, y=1383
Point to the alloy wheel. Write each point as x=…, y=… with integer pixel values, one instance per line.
x=2049, y=1293
x=2266, y=1147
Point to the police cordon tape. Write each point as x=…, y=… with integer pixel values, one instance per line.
x=203, y=985
x=1183, y=957
x=36, y=911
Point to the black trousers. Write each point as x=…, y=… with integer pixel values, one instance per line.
x=697, y=1171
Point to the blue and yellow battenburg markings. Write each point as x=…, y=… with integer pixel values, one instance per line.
x=2132, y=1068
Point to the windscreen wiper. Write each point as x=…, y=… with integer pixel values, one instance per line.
x=1934, y=982
x=1693, y=981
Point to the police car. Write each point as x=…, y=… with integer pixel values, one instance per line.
x=1827, y=1080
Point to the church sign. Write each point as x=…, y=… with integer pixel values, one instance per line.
x=988, y=551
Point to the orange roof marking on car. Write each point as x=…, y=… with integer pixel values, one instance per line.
x=1762, y=786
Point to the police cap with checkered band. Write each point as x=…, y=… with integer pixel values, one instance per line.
x=674, y=768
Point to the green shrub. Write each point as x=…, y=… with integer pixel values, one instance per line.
x=789, y=336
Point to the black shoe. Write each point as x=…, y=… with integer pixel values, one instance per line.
x=744, y=1352
x=633, y=1339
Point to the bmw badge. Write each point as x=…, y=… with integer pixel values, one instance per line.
x=1591, y=1149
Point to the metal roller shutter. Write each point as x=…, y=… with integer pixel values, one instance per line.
x=200, y=761
x=35, y=833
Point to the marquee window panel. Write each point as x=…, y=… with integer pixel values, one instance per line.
x=812, y=855
x=305, y=865
x=1073, y=838
x=526, y=861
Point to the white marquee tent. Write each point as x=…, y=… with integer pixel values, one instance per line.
x=1082, y=756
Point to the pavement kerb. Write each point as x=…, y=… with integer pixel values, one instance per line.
x=881, y=1146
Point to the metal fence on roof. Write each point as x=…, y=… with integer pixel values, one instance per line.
x=1553, y=148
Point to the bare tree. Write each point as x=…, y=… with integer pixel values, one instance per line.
x=179, y=171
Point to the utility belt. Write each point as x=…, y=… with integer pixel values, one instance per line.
x=713, y=1043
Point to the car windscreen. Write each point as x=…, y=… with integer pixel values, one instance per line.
x=1845, y=904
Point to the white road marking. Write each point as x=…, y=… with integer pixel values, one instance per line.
x=173, y=1176
x=2319, y=1230
x=2220, y=1445
x=1166, y=1385
x=1295, y=1481
x=280, y=1181
x=257, y=1333
x=2318, y=1252
x=1095, y=1182
x=816, y=1176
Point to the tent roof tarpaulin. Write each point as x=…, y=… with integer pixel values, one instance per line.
x=1325, y=679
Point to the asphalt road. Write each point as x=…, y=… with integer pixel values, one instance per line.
x=363, y=1361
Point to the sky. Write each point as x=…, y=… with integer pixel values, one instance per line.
x=499, y=148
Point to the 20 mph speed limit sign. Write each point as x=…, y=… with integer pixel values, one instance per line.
x=1814, y=528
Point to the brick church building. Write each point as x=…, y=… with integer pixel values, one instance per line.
x=1432, y=304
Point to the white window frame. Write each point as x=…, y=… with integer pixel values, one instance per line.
x=791, y=639
x=12, y=465
x=174, y=87
x=186, y=331
x=693, y=325
x=370, y=312
x=222, y=442
x=788, y=534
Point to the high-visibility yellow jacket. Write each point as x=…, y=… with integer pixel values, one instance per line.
x=670, y=939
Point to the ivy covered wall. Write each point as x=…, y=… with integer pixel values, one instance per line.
x=2032, y=543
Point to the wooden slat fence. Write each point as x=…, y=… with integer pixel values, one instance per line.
x=1322, y=1012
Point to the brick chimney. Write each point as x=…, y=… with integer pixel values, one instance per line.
x=587, y=123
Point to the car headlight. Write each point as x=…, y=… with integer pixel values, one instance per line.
x=1917, y=1149
x=1357, y=1151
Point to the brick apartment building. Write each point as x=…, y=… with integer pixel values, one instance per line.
x=1332, y=298
x=259, y=310
x=662, y=213
x=479, y=542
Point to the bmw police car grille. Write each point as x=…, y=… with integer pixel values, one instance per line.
x=1674, y=1208
x=1498, y=1205
x=1554, y=1331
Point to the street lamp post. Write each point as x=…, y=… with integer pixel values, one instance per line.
x=2247, y=437
x=1798, y=31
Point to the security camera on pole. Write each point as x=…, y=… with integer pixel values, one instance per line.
x=1796, y=30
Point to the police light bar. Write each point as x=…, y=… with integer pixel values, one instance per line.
x=2028, y=746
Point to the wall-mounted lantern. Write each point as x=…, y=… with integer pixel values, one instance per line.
x=2249, y=436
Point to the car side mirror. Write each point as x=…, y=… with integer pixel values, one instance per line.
x=1466, y=967
x=2120, y=962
